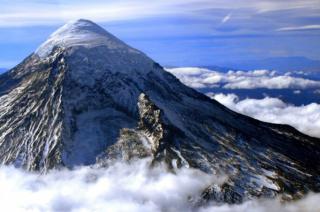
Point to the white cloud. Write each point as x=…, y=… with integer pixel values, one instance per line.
x=202, y=78
x=34, y=12
x=310, y=204
x=122, y=187
x=226, y=18
x=272, y=82
x=305, y=118
x=299, y=28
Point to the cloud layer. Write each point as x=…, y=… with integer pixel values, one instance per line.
x=305, y=118
x=205, y=78
x=121, y=188
x=35, y=12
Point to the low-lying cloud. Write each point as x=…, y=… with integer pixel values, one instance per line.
x=123, y=187
x=305, y=118
x=205, y=78
x=308, y=204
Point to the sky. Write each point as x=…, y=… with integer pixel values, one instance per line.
x=173, y=32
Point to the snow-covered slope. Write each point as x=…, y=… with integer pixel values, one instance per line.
x=82, y=33
x=84, y=97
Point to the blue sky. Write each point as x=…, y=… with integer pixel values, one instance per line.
x=173, y=32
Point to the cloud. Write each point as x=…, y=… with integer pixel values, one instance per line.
x=123, y=187
x=205, y=78
x=34, y=12
x=310, y=203
x=226, y=18
x=299, y=28
x=305, y=118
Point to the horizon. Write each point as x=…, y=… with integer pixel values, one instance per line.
x=175, y=33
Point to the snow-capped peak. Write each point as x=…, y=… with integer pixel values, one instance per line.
x=81, y=33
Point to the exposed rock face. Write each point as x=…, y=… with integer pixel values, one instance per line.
x=151, y=138
x=75, y=100
x=31, y=114
x=151, y=124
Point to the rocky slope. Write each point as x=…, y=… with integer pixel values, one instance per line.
x=85, y=97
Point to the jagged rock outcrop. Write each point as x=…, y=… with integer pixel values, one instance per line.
x=75, y=100
x=151, y=124
x=151, y=138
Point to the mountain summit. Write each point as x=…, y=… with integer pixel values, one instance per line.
x=85, y=97
x=81, y=33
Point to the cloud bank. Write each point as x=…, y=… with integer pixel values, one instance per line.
x=122, y=187
x=305, y=118
x=205, y=78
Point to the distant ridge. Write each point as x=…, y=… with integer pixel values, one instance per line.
x=278, y=63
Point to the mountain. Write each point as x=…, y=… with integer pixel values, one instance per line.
x=86, y=98
x=283, y=64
